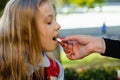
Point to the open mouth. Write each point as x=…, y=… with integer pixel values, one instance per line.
x=54, y=38
x=57, y=39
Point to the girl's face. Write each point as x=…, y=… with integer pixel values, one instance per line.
x=47, y=26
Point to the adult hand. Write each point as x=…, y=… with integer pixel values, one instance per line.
x=79, y=46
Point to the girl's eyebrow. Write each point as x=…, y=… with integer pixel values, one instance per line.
x=50, y=15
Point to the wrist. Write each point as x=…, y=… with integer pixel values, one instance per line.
x=103, y=46
x=100, y=46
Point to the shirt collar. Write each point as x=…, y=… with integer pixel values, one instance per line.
x=46, y=61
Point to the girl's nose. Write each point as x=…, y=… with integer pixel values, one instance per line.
x=57, y=27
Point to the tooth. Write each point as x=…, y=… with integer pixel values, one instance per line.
x=58, y=39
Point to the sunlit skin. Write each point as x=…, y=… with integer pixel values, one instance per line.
x=79, y=46
x=71, y=49
x=48, y=28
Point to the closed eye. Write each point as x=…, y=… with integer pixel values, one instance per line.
x=49, y=23
x=49, y=19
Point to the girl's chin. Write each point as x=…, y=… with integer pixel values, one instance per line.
x=51, y=48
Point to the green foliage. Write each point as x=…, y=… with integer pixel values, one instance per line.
x=1, y=13
x=88, y=3
x=78, y=2
x=2, y=5
x=71, y=74
x=91, y=74
x=100, y=1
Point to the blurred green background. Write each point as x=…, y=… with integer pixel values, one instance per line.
x=94, y=14
x=94, y=60
x=92, y=67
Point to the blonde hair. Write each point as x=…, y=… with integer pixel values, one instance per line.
x=19, y=41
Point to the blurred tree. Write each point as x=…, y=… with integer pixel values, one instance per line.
x=100, y=3
x=2, y=5
x=90, y=3
x=81, y=3
x=85, y=3
x=66, y=1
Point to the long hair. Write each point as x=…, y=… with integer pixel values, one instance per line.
x=19, y=41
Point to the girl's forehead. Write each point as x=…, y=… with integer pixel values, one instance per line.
x=46, y=9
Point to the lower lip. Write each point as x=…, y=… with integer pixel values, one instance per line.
x=55, y=41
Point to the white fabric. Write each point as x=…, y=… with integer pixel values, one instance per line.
x=46, y=60
x=47, y=64
x=61, y=75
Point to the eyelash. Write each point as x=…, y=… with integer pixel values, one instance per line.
x=49, y=23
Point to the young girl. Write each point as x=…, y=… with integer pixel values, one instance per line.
x=27, y=30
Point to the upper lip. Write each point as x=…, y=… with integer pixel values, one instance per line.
x=55, y=36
